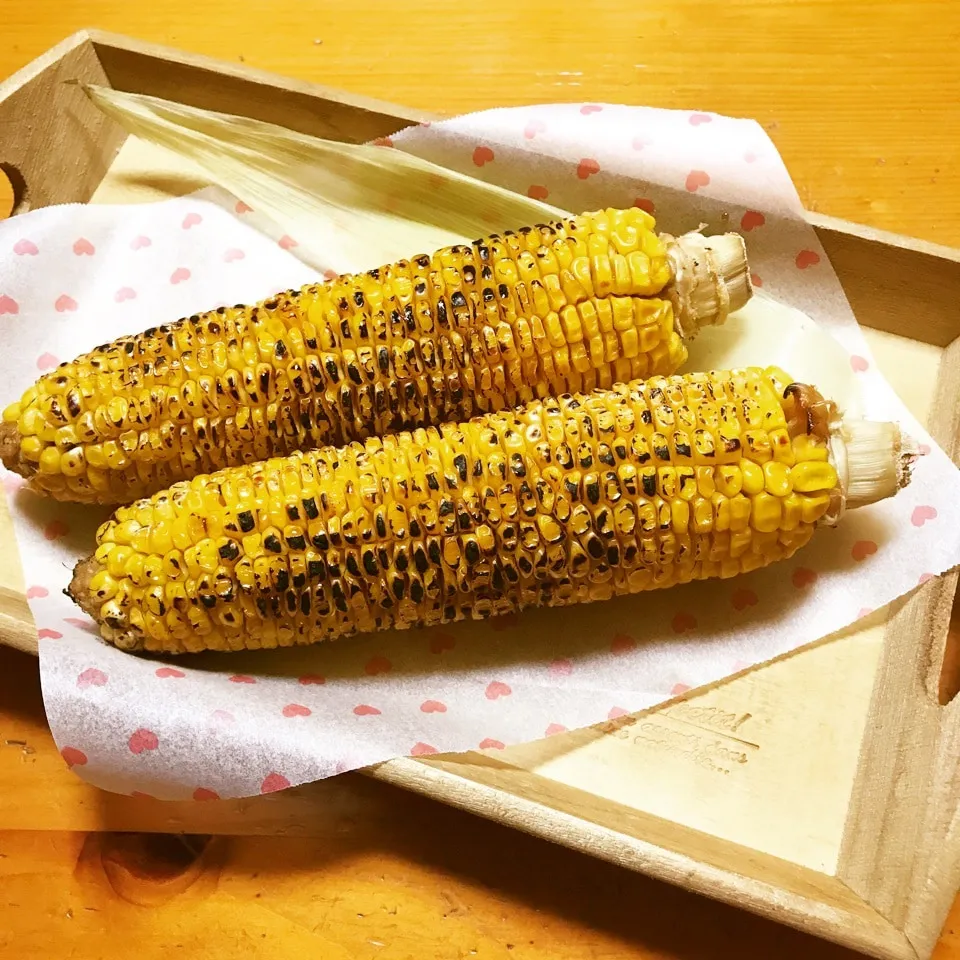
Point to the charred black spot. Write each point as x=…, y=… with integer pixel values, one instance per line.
x=229, y=551
x=292, y=512
x=245, y=519
x=358, y=298
x=460, y=462
x=296, y=542
x=272, y=543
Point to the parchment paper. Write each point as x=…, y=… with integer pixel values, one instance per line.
x=237, y=725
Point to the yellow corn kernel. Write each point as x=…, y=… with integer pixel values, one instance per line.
x=811, y=476
x=813, y=507
x=809, y=448
x=559, y=500
x=776, y=478
x=766, y=513
x=753, y=478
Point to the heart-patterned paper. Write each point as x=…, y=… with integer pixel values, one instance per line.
x=222, y=725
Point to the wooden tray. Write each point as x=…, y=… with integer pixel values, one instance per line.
x=820, y=790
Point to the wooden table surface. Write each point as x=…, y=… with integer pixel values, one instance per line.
x=862, y=97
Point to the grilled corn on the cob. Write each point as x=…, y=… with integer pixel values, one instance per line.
x=557, y=501
x=562, y=307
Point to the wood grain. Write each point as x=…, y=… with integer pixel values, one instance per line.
x=371, y=853
x=861, y=98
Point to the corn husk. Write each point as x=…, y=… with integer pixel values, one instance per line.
x=352, y=207
x=349, y=206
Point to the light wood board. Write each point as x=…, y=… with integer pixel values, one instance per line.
x=841, y=816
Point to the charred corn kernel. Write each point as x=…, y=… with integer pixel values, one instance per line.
x=558, y=308
x=812, y=476
x=572, y=498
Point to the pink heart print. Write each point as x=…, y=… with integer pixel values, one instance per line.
x=534, y=127
x=143, y=740
x=55, y=529
x=377, y=665
x=589, y=108
x=644, y=203
x=138, y=243
x=91, y=677
x=922, y=514
x=25, y=248
x=554, y=728
x=863, y=549
x=433, y=706
x=622, y=643
x=858, y=364
x=679, y=689
x=242, y=678
x=561, y=668
x=683, y=622
x=482, y=155
x=420, y=749
x=233, y=254
x=287, y=242
x=365, y=710
x=587, y=167
x=204, y=793
x=125, y=293
x=807, y=258
x=165, y=673
x=744, y=598
x=537, y=192
x=296, y=710
x=273, y=782
x=65, y=304
x=752, y=219
x=696, y=119
x=47, y=634
x=191, y=220
x=697, y=179
x=73, y=757
x=496, y=689
x=441, y=642
x=36, y=592
x=488, y=743
x=84, y=248
x=8, y=305
x=312, y=679
x=803, y=577
x=179, y=275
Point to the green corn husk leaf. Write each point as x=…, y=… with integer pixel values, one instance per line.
x=350, y=207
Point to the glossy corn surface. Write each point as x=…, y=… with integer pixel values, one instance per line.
x=556, y=502
x=547, y=310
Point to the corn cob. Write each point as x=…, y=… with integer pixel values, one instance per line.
x=562, y=307
x=557, y=501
